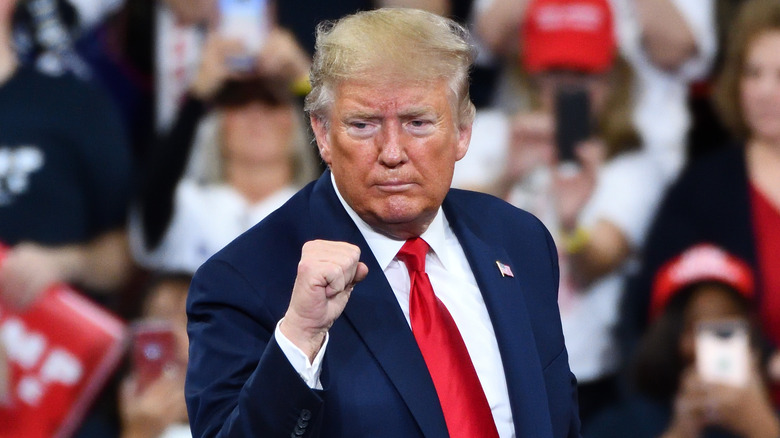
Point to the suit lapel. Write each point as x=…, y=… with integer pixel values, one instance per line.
x=508, y=312
x=374, y=313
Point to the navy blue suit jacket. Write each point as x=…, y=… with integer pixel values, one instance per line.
x=375, y=382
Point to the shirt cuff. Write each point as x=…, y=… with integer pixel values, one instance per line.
x=309, y=371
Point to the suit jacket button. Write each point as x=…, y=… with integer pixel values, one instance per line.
x=306, y=414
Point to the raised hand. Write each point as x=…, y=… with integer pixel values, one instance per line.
x=327, y=273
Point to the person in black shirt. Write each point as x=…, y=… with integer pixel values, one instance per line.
x=65, y=172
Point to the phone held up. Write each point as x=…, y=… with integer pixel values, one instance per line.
x=247, y=21
x=153, y=351
x=572, y=122
x=723, y=351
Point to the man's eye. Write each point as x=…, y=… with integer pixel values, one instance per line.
x=361, y=129
x=420, y=126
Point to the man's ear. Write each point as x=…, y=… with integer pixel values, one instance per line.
x=464, y=139
x=320, y=128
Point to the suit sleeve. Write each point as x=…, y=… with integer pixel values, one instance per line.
x=239, y=382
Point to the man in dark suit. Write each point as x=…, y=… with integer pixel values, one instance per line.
x=378, y=302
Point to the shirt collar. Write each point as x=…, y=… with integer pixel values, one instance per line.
x=386, y=248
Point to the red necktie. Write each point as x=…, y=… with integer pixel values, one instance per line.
x=465, y=407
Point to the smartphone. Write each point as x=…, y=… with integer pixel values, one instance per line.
x=153, y=351
x=572, y=122
x=723, y=351
x=247, y=21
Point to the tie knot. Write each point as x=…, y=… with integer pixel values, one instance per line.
x=413, y=254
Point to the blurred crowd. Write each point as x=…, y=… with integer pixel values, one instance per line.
x=138, y=137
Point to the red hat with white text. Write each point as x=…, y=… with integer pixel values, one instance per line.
x=703, y=262
x=568, y=35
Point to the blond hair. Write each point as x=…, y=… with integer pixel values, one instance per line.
x=386, y=43
x=615, y=123
x=756, y=18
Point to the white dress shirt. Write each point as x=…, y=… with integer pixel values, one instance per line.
x=454, y=284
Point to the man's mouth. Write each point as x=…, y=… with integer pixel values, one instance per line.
x=394, y=186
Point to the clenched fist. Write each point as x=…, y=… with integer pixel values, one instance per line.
x=327, y=273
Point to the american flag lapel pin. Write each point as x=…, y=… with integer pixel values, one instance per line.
x=505, y=270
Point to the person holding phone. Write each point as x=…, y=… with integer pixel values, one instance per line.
x=151, y=399
x=697, y=371
x=577, y=162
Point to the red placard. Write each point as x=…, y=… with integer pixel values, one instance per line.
x=61, y=350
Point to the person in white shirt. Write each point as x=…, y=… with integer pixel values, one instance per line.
x=597, y=203
x=669, y=44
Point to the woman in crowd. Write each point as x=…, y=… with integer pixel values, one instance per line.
x=245, y=166
x=732, y=196
x=598, y=209
x=669, y=44
x=678, y=393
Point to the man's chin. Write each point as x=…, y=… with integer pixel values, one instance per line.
x=402, y=224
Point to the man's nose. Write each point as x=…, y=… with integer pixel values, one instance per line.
x=392, y=150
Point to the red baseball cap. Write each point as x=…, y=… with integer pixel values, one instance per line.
x=703, y=262
x=568, y=35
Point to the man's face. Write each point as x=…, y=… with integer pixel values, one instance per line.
x=392, y=148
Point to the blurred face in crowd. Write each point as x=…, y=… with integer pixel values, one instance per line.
x=392, y=147
x=193, y=11
x=709, y=302
x=258, y=133
x=760, y=88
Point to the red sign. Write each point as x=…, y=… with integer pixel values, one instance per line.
x=61, y=350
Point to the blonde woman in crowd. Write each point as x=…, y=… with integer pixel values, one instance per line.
x=248, y=160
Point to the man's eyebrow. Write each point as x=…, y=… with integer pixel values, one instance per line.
x=373, y=115
x=417, y=112
x=360, y=114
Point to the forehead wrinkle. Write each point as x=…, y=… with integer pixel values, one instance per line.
x=367, y=108
x=417, y=111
